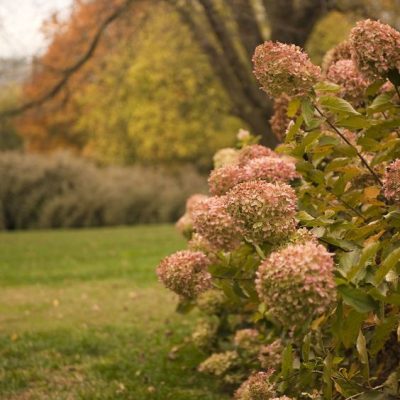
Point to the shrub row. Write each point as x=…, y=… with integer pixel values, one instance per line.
x=64, y=191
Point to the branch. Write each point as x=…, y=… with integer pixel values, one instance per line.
x=70, y=71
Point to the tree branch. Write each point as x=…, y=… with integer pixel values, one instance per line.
x=71, y=70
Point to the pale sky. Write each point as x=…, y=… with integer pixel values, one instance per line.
x=20, y=22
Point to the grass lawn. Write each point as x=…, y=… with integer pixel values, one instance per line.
x=83, y=317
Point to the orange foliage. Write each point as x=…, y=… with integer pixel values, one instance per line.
x=51, y=125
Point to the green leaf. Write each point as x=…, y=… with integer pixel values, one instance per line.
x=382, y=333
x=387, y=264
x=381, y=103
x=337, y=105
x=350, y=328
x=293, y=107
x=287, y=361
x=326, y=86
x=357, y=299
x=373, y=89
x=294, y=128
x=327, y=376
x=361, y=345
x=307, y=110
x=367, y=253
x=354, y=122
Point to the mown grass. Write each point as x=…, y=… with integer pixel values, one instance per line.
x=83, y=317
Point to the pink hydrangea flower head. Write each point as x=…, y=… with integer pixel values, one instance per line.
x=341, y=51
x=185, y=273
x=212, y=222
x=248, y=153
x=224, y=157
x=264, y=211
x=284, y=68
x=296, y=283
x=280, y=121
x=391, y=182
x=353, y=85
x=223, y=179
x=271, y=169
x=375, y=48
x=256, y=387
x=270, y=356
x=193, y=201
x=184, y=225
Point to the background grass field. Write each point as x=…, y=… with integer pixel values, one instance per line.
x=83, y=317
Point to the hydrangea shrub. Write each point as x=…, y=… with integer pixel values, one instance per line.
x=294, y=259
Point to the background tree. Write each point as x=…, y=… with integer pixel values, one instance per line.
x=224, y=31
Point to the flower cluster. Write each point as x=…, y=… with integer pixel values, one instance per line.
x=211, y=302
x=257, y=387
x=296, y=283
x=219, y=364
x=249, y=153
x=391, y=183
x=224, y=157
x=342, y=51
x=375, y=48
x=212, y=221
x=270, y=356
x=247, y=340
x=223, y=179
x=280, y=121
x=271, y=169
x=283, y=68
x=204, y=334
x=185, y=224
x=185, y=273
x=264, y=211
x=352, y=83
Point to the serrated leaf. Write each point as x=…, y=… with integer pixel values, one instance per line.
x=367, y=253
x=326, y=86
x=337, y=105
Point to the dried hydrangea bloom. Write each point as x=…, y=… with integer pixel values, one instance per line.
x=271, y=169
x=247, y=340
x=211, y=302
x=223, y=179
x=296, y=283
x=284, y=68
x=391, y=182
x=270, y=356
x=212, y=221
x=280, y=121
x=185, y=273
x=219, y=364
x=353, y=85
x=224, y=157
x=342, y=51
x=256, y=387
x=264, y=211
x=204, y=334
x=184, y=225
x=249, y=153
x=375, y=48
x=193, y=201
